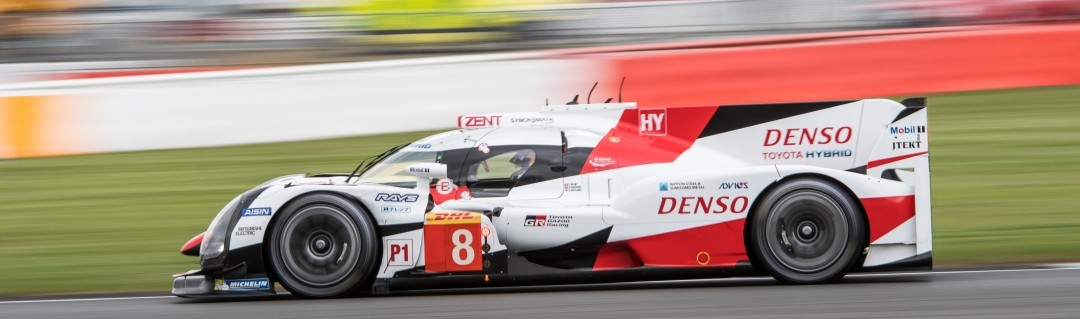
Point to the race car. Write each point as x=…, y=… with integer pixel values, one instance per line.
x=804, y=192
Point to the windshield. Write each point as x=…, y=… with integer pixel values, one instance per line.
x=391, y=171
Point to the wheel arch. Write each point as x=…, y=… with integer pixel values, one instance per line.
x=273, y=224
x=747, y=244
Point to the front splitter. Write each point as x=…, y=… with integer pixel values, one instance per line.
x=192, y=285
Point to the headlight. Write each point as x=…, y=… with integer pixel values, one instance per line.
x=214, y=241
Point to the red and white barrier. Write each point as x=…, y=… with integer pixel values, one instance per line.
x=320, y=101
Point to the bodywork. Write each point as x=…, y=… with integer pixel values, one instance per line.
x=612, y=189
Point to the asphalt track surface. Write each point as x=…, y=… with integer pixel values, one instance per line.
x=1046, y=292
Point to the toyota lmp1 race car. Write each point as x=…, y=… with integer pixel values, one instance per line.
x=804, y=192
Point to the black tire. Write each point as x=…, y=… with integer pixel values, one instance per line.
x=807, y=231
x=323, y=246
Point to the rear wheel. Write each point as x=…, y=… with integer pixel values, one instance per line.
x=807, y=231
x=323, y=246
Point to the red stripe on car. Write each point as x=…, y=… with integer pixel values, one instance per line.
x=884, y=161
x=643, y=136
x=713, y=245
x=887, y=213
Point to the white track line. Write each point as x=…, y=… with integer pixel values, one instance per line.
x=1049, y=268
x=82, y=299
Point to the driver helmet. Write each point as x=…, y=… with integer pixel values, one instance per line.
x=523, y=160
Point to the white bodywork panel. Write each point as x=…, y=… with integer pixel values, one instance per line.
x=716, y=179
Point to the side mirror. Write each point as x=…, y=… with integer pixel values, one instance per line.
x=424, y=173
x=427, y=170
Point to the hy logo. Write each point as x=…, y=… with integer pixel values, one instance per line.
x=652, y=122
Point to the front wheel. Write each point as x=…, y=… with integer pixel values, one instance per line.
x=323, y=246
x=807, y=231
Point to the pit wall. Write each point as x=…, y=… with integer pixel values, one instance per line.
x=321, y=101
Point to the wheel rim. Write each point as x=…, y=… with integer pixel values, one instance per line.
x=319, y=244
x=807, y=231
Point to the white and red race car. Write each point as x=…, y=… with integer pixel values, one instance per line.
x=805, y=192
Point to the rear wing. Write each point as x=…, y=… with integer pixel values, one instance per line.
x=905, y=139
x=902, y=153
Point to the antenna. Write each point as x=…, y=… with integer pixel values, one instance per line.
x=546, y=102
x=620, y=88
x=588, y=99
x=574, y=101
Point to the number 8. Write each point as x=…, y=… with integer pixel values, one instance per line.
x=463, y=244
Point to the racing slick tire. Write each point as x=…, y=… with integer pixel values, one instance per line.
x=323, y=246
x=807, y=231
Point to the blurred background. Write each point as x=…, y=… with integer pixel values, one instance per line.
x=126, y=124
x=163, y=33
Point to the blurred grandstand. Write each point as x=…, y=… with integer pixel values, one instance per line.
x=171, y=33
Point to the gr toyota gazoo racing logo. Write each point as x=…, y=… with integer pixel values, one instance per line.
x=548, y=220
x=535, y=220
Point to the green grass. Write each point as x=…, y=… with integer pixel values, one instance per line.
x=1006, y=175
x=115, y=222
x=1005, y=170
